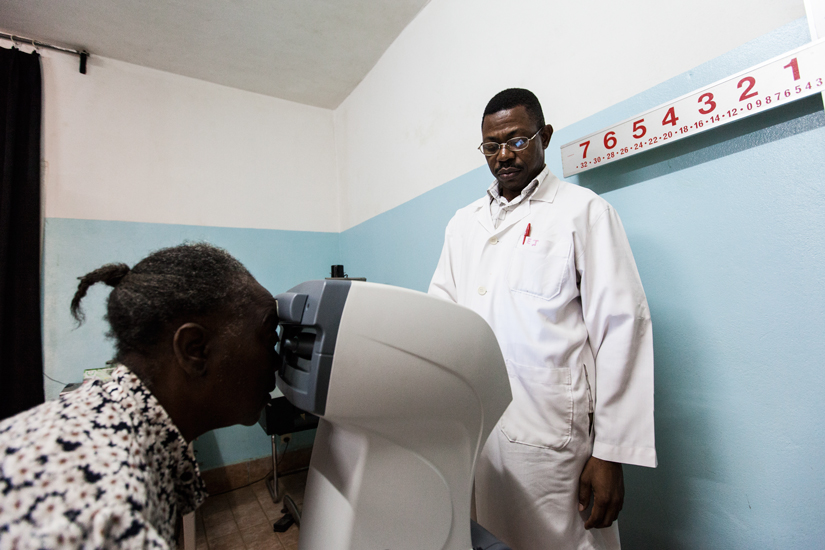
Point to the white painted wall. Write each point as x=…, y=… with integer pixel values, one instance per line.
x=815, y=11
x=414, y=122
x=129, y=143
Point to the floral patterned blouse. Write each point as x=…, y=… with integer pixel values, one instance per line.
x=101, y=467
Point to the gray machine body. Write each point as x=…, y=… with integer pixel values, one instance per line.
x=310, y=314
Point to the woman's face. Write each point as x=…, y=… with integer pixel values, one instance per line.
x=246, y=360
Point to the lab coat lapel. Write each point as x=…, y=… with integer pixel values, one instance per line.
x=547, y=189
x=483, y=214
x=515, y=216
x=485, y=219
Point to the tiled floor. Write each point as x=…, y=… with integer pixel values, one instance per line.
x=243, y=518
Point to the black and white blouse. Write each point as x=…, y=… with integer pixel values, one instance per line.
x=101, y=467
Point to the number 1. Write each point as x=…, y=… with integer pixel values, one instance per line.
x=794, y=66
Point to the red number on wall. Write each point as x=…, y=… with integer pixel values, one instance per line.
x=747, y=93
x=609, y=140
x=639, y=127
x=670, y=117
x=794, y=66
x=707, y=99
x=584, y=144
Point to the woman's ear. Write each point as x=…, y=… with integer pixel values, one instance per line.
x=191, y=343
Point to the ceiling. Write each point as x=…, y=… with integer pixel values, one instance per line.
x=310, y=51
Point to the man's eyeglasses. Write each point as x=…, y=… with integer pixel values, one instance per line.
x=490, y=148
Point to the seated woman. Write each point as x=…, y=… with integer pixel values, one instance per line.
x=108, y=465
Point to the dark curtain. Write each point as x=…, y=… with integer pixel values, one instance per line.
x=21, y=351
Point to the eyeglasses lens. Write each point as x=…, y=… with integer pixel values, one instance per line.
x=517, y=144
x=490, y=148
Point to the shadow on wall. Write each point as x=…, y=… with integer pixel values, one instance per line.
x=655, y=510
x=778, y=123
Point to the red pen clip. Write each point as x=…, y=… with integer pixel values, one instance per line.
x=526, y=234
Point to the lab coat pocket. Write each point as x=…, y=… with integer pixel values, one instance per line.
x=538, y=267
x=541, y=413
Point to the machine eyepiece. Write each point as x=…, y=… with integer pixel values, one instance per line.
x=300, y=344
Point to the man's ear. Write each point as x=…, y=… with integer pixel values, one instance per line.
x=191, y=344
x=546, y=134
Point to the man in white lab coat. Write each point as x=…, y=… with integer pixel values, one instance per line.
x=548, y=265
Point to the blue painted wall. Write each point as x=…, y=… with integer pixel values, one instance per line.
x=278, y=259
x=727, y=228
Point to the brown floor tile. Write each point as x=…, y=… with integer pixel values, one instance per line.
x=273, y=512
x=221, y=529
x=213, y=505
x=218, y=517
x=243, y=495
x=261, y=537
x=261, y=490
x=229, y=542
x=242, y=519
x=246, y=507
x=271, y=509
x=266, y=545
x=290, y=536
x=250, y=515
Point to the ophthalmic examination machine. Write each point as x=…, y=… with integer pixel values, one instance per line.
x=407, y=387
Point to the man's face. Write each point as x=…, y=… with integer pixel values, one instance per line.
x=248, y=360
x=514, y=170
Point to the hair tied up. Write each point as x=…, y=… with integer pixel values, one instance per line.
x=111, y=274
x=117, y=273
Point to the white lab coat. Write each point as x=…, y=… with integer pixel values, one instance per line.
x=569, y=311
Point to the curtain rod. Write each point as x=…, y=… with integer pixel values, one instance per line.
x=37, y=44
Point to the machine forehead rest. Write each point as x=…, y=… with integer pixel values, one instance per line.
x=291, y=307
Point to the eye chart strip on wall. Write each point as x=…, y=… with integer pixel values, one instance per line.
x=791, y=76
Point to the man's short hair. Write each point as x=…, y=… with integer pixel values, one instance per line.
x=515, y=97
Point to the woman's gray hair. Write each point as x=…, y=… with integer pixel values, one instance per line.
x=171, y=284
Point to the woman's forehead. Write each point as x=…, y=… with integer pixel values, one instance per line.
x=261, y=297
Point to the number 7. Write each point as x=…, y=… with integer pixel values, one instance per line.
x=585, y=144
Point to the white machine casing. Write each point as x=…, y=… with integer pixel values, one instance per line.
x=416, y=386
